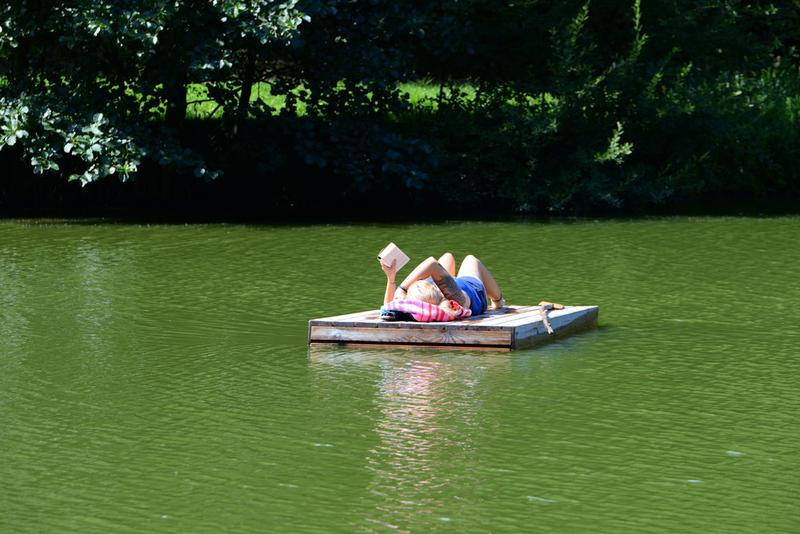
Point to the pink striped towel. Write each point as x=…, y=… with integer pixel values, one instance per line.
x=424, y=312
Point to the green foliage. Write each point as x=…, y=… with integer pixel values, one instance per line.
x=616, y=150
x=517, y=105
x=88, y=84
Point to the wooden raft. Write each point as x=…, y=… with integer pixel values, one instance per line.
x=509, y=328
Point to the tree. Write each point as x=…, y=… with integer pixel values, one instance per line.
x=84, y=88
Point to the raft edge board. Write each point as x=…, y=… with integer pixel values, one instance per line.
x=379, y=345
x=441, y=336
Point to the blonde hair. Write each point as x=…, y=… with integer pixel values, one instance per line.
x=426, y=292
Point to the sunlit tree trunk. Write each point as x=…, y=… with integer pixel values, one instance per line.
x=248, y=79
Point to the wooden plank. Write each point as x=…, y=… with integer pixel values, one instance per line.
x=440, y=335
x=415, y=336
x=536, y=316
x=483, y=348
x=347, y=317
x=500, y=316
x=528, y=315
x=403, y=325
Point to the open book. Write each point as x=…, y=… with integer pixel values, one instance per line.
x=392, y=253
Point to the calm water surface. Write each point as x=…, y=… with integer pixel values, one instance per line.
x=157, y=379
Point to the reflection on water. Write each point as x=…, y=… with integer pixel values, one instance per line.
x=158, y=379
x=427, y=403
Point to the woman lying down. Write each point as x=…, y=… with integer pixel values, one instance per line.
x=434, y=292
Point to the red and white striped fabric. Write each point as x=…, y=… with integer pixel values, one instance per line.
x=424, y=312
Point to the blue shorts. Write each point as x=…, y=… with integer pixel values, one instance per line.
x=474, y=289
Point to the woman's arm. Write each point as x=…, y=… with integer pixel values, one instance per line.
x=391, y=273
x=420, y=272
x=449, y=288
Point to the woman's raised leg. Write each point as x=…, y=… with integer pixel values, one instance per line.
x=472, y=266
x=448, y=261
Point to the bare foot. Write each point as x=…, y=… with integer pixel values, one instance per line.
x=497, y=304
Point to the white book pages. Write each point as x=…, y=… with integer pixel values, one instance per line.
x=393, y=253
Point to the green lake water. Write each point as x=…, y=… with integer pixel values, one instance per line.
x=157, y=379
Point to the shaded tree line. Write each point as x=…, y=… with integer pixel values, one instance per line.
x=533, y=107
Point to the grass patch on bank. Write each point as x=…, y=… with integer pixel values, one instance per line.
x=422, y=93
x=428, y=94
x=202, y=106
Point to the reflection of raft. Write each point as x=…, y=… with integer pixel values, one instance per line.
x=509, y=328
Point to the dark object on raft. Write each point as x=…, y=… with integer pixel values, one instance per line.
x=509, y=328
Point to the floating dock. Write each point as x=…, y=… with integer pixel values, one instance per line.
x=509, y=328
